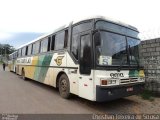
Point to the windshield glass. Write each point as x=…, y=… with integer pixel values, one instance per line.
x=133, y=50
x=116, y=49
x=116, y=28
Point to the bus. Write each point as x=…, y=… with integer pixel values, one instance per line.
x=95, y=58
x=12, y=61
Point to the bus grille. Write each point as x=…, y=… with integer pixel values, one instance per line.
x=128, y=80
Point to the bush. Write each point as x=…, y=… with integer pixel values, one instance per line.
x=147, y=95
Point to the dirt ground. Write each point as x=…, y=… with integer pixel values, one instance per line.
x=31, y=97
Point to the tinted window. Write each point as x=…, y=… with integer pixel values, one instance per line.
x=36, y=47
x=26, y=53
x=116, y=28
x=44, y=45
x=74, y=46
x=49, y=43
x=15, y=55
x=82, y=27
x=85, y=55
x=112, y=49
x=66, y=38
x=53, y=42
x=30, y=49
x=19, y=52
x=59, y=41
x=23, y=51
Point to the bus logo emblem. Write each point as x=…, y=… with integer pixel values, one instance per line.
x=58, y=60
x=116, y=75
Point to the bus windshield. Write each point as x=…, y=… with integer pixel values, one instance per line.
x=116, y=49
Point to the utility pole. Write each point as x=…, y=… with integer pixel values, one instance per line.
x=5, y=50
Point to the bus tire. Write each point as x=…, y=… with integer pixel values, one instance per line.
x=64, y=86
x=23, y=74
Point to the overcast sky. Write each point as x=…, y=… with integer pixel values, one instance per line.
x=42, y=16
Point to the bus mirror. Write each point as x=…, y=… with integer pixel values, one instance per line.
x=97, y=39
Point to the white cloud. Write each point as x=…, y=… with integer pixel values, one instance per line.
x=4, y=36
x=47, y=15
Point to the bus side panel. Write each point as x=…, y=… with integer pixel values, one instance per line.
x=30, y=69
x=73, y=75
x=42, y=67
x=57, y=65
x=50, y=78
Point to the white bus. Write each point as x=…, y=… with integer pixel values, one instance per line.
x=96, y=59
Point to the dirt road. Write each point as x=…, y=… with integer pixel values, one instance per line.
x=19, y=96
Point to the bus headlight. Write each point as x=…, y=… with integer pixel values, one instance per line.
x=112, y=81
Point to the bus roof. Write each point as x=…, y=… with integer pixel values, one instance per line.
x=81, y=20
x=106, y=19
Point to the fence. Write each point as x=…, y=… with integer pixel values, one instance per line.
x=150, y=59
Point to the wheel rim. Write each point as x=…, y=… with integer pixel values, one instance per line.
x=63, y=85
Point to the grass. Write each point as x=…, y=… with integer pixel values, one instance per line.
x=147, y=95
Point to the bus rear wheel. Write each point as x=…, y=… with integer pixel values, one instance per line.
x=64, y=87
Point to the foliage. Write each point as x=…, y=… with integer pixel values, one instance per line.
x=147, y=95
x=6, y=49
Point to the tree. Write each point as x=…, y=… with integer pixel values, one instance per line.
x=6, y=49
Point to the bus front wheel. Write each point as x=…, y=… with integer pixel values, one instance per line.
x=64, y=87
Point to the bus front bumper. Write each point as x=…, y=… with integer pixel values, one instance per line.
x=108, y=93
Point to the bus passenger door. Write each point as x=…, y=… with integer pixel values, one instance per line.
x=85, y=60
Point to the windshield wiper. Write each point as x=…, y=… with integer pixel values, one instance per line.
x=126, y=54
x=120, y=66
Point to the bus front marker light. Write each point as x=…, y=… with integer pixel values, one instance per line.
x=113, y=81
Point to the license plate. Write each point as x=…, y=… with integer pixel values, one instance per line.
x=129, y=89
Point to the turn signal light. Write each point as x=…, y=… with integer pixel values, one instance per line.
x=103, y=82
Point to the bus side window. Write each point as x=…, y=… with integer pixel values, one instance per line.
x=36, y=47
x=85, y=54
x=74, y=46
x=33, y=49
x=53, y=42
x=66, y=38
x=44, y=45
x=59, y=41
x=76, y=30
x=19, y=53
x=29, y=49
x=82, y=27
x=23, y=51
x=26, y=50
x=49, y=44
